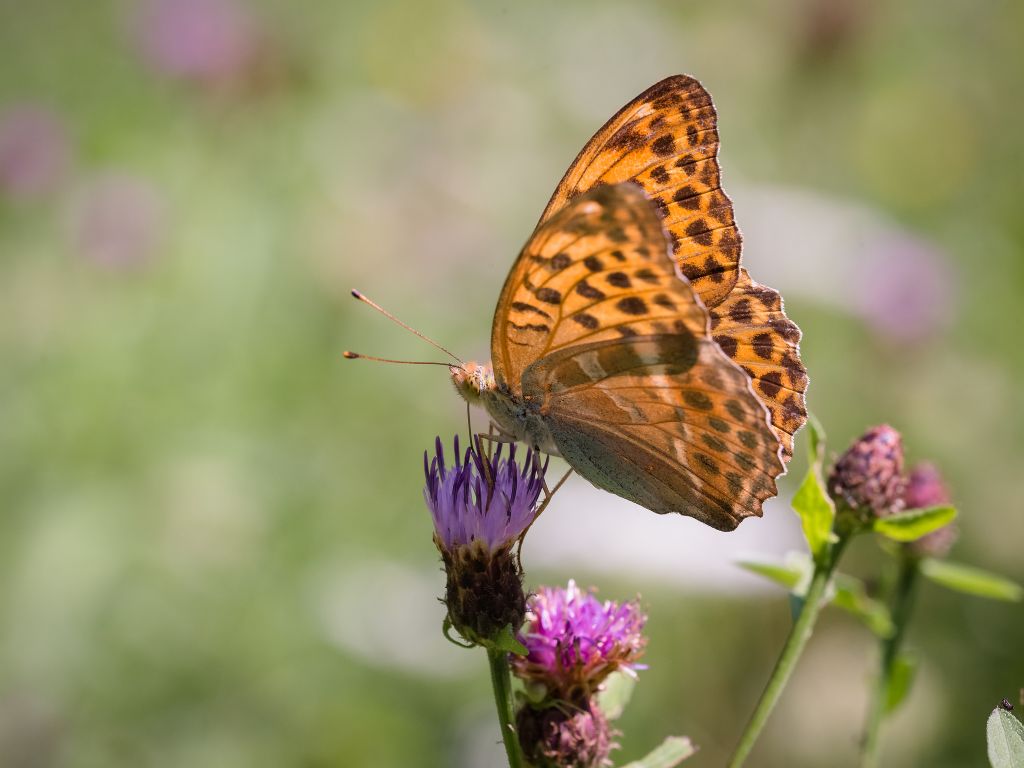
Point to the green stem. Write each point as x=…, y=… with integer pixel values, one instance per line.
x=902, y=601
x=501, y=680
x=795, y=643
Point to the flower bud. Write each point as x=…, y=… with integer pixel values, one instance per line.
x=868, y=477
x=565, y=736
x=925, y=488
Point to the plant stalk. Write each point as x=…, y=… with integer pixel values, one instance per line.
x=501, y=681
x=795, y=643
x=902, y=602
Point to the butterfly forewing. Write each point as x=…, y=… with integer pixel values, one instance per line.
x=666, y=141
x=598, y=332
x=598, y=269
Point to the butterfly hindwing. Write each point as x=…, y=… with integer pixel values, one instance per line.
x=752, y=329
x=665, y=421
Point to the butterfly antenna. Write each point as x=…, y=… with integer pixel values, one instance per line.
x=358, y=295
x=357, y=356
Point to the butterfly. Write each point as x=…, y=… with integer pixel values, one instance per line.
x=628, y=339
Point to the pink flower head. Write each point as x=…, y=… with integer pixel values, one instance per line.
x=574, y=641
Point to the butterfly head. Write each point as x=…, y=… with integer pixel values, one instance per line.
x=472, y=380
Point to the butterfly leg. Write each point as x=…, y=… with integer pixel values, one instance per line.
x=543, y=505
x=491, y=438
x=508, y=439
x=495, y=434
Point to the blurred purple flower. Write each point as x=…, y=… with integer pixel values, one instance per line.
x=907, y=290
x=574, y=641
x=211, y=42
x=35, y=152
x=480, y=500
x=118, y=220
x=926, y=488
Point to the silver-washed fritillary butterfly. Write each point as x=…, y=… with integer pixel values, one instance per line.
x=629, y=340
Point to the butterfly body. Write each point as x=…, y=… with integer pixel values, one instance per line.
x=628, y=340
x=514, y=416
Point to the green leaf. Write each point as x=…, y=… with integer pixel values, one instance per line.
x=1005, y=740
x=784, y=574
x=971, y=581
x=815, y=440
x=852, y=596
x=914, y=523
x=507, y=641
x=901, y=678
x=816, y=513
x=671, y=752
x=615, y=694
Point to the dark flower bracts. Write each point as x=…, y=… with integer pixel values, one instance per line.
x=565, y=736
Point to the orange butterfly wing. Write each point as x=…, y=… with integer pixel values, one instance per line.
x=666, y=141
x=594, y=271
x=596, y=331
x=752, y=329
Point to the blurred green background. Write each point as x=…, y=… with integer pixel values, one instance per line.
x=213, y=549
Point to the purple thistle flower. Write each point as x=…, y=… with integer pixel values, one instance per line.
x=478, y=499
x=481, y=506
x=574, y=641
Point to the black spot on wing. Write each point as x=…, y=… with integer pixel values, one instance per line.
x=587, y=321
x=632, y=305
x=549, y=296
x=522, y=306
x=587, y=291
